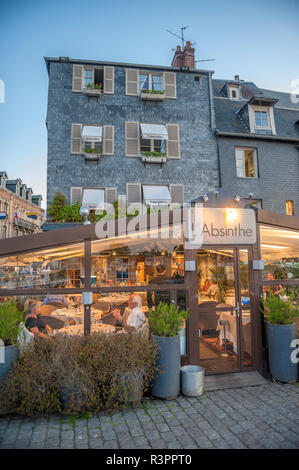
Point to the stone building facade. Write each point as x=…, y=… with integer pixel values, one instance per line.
x=20, y=209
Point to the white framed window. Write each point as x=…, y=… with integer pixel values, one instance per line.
x=153, y=138
x=92, y=139
x=290, y=207
x=93, y=76
x=261, y=118
x=234, y=92
x=246, y=163
x=150, y=81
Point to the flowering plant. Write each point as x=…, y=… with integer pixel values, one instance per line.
x=98, y=86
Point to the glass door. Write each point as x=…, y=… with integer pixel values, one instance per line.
x=224, y=310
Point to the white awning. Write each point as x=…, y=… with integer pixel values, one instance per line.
x=154, y=131
x=92, y=133
x=156, y=195
x=93, y=198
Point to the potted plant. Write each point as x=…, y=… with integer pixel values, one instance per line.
x=10, y=320
x=279, y=313
x=165, y=322
x=153, y=157
x=152, y=95
x=93, y=89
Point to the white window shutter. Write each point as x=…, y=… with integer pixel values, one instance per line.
x=108, y=140
x=132, y=77
x=170, y=85
x=177, y=193
x=173, y=142
x=132, y=139
x=109, y=80
x=76, y=141
x=134, y=197
x=110, y=195
x=76, y=195
x=77, y=78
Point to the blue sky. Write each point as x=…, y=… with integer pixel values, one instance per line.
x=257, y=39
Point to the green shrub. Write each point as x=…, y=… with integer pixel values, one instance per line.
x=78, y=374
x=278, y=311
x=166, y=320
x=10, y=319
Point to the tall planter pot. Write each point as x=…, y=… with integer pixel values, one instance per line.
x=280, y=350
x=8, y=355
x=166, y=384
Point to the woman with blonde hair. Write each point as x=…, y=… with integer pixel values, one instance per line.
x=34, y=322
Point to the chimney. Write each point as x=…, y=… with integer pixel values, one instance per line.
x=185, y=57
x=237, y=77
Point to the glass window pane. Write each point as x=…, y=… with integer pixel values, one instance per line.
x=145, y=145
x=143, y=81
x=157, y=82
x=54, y=267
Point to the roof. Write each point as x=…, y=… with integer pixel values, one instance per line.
x=228, y=118
x=122, y=64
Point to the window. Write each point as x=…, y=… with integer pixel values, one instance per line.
x=93, y=198
x=4, y=231
x=92, y=76
x=197, y=79
x=149, y=81
x=92, y=139
x=234, y=92
x=246, y=163
x=261, y=118
x=289, y=207
x=153, y=138
x=256, y=203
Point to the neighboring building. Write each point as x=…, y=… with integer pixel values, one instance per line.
x=258, y=141
x=20, y=210
x=101, y=141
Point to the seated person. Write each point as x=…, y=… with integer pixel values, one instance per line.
x=133, y=317
x=34, y=322
x=275, y=288
x=178, y=277
x=55, y=298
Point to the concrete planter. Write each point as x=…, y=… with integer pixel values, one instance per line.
x=8, y=355
x=152, y=96
x=166, y=384
x=93, y=91
x=154, y=159
x=280, y=350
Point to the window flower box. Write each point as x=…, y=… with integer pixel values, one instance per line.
x=91, y=154
x=153, y=157
x=93, y=89
x=152, y=95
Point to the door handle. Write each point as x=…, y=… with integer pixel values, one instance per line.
x=237, y=309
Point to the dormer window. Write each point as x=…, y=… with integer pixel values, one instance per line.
x=234, y=92
x=261, y=119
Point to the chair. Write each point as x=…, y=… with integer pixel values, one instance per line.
x=103, y=306
x=47, y=309
x=53, y=322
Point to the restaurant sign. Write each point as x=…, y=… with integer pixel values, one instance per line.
x=220, y=226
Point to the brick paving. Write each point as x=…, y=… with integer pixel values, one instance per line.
x=261, y=417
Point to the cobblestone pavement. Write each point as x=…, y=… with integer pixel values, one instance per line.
x=265, y=416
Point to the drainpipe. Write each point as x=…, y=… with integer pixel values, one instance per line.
x=213, y=126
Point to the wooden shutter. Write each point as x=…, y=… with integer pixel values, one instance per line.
x=132, y=139
x=110, y=195
x=134, y=195
x=173, y=143
x=177, y=193
x=76, y=141
x=132, y=77
x=170, y=85
x=76, y=195
x=109, y=80
x=108, y=140
x=77, y=78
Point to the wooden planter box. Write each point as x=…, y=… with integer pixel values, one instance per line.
x=152, y=96
x=93, y=91
x=153, y=159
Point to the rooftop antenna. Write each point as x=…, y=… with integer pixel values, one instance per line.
x=180, y=37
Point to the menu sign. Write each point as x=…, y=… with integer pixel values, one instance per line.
x=220, y=226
